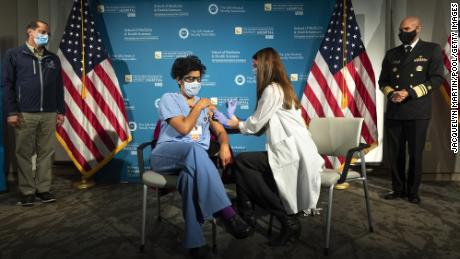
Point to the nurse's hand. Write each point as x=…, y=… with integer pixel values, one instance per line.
x=225, y=155
x=233, y=122
x=220, y=117
x=231, y=107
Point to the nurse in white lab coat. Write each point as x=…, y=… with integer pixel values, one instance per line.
x=285, y=179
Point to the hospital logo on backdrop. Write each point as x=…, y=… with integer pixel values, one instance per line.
x=286, y=8
x=267, y=32
x=155, y=79
x=128, y=78
x=132, y=126
x=183, y=33
x=157, y=54
x=213, y=9
x=296, y=77
x=238, y=30
x=240, y=79
x=128, y=10
x=267, y=7
x=170, y=54
x=157, y=103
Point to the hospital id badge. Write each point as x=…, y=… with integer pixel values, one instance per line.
x=196, y=133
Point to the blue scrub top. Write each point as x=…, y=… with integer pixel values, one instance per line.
x=173, y=105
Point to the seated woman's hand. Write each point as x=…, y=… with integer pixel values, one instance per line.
x=225, y=155
x=203, y=103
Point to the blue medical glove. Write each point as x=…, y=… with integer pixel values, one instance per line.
x=220, y=117
x=231, y=107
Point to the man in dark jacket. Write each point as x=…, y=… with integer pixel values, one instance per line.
x=409, y=73
x=34, y=101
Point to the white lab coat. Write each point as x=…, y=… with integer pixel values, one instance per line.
x=292, y=154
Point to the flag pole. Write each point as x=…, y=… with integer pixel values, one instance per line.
x=344, y=54
x=86, y=182
x=83, y=71
x=345, y=185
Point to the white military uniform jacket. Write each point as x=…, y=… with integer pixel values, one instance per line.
x=292, y=154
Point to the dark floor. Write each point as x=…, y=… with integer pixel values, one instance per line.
x=104, y=222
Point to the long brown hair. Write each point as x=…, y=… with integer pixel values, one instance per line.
x=270, y=69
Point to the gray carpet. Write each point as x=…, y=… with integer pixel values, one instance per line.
x=104, y=222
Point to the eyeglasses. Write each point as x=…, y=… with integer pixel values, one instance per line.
x=190, y=79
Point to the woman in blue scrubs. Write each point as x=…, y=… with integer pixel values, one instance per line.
x=182, y=147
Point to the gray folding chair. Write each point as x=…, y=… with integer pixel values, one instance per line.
x=340, y=137
x=158, y=181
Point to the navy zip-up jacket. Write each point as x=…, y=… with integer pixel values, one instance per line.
x=32, y=85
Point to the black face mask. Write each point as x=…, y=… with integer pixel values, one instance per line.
x=407, y=37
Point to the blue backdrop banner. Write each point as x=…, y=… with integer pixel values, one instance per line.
x=145, y=37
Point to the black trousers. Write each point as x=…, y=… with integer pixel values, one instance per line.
x=255, y=182
x=414, y=133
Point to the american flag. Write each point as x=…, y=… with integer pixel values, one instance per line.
x=446, y=53
x=341, y=82
x=96, y=125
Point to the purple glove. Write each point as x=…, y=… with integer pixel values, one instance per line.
x=231, y=107
x=220, y=117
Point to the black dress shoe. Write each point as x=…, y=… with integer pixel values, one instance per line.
x=238, y=228
x=27, y=200
x=46, y=197
x=250, y=217
x=247, y=212
x=394, y=195
x=290, y=231
x=414, y=199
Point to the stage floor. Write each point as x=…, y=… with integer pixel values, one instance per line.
x=105, y=221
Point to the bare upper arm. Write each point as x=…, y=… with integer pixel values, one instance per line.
x=177, y=123
x=217, y=128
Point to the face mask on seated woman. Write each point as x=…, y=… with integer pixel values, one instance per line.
x=192, y=89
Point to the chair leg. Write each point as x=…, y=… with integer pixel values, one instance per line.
x=214, y=236
x=329, y=217
x=144, y=212
x=158, y=203
x=368, y=206
x=366, y=192
x=270, y=225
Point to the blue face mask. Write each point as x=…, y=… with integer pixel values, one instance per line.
x=41, y=39
x=192, y=89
